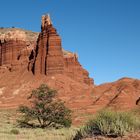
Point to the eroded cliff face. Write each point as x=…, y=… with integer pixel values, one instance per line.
x=49, y=55
x=15, y=48
x=50, y=59
x=39, y=53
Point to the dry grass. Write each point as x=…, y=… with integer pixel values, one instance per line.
x=109, y=123
x=8, y=125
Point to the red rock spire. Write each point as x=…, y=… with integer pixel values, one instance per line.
x=50, y=59
x=50, y=56
x=46, y=21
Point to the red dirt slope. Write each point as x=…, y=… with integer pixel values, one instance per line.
x=81, y=98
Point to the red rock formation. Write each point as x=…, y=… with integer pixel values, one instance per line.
x=15, y=49
x=74, y=70
x=51, y=59
x=121, y=94
x=13, y=53
x=20, y=49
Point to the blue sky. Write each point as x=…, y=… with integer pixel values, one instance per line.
x=105, y=33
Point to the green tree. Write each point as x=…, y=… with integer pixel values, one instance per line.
x=45, y=109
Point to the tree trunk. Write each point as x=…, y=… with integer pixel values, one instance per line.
x=40, y=122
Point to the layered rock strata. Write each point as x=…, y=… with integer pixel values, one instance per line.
x=51, y=59
x=15, y=47
x=39, y=53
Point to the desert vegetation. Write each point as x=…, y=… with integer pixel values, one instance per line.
x=9, y=130
x=45, y=110
x=106, y=124
x=109, y=123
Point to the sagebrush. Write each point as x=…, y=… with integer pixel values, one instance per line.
x=110, y=123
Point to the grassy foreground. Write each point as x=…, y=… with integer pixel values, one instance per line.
x=10, y=131
x=105, y=123
x=109, y=123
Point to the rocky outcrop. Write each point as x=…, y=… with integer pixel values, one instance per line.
x=51, y=59
x=121, y=94
x=74, y=70
x=49, y=55
x=39, y=53
x=15, y=48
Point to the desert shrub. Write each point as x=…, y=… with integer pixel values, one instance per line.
x=14, y=131
x=110, y=123
x=45, y=110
